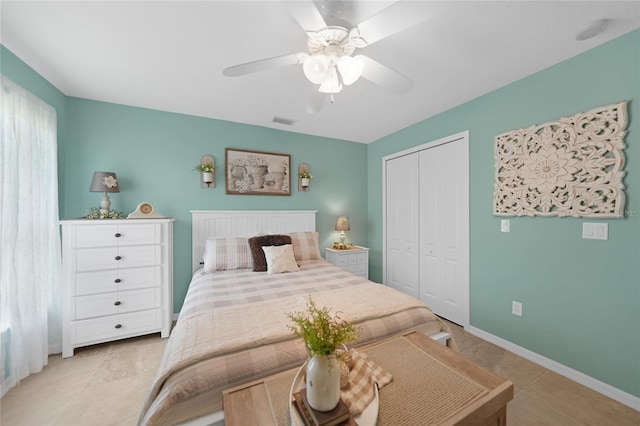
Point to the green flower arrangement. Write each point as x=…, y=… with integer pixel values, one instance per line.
x=98, y=213
x=205, y=168
x=322, y=332
x=305, y=175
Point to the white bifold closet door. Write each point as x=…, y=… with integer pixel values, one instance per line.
x=427, y=227
x=402, y=208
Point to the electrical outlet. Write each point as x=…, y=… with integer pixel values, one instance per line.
x=516, y=308
x=505, y=225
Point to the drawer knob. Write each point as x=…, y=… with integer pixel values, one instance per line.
x=118, y=303
x=118, y=325
x=118, y=257
x=117, y=280
x=118, y=235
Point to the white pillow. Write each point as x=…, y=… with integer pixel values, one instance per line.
x=227, y=253
x=305, y=245
x=280, y=259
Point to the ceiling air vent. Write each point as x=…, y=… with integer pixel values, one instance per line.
x=285, y=121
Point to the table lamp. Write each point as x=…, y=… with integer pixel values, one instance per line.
x=104, y=182
x=342, y=224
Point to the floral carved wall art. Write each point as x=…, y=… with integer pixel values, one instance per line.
x=570, y=167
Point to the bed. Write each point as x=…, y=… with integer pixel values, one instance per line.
x=232, y=328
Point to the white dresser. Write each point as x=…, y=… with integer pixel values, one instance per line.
x=355, y=260
x=118, y=280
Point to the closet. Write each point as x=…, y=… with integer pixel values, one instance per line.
x=426, y=224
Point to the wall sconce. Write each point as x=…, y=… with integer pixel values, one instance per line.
x=304, y=177
x=207, y=171
x=104, y=182
x=342, y=224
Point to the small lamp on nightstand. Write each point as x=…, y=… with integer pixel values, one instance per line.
x=342, y=224
x=104, y=182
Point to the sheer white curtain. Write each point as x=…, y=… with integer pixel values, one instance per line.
x=30, y=265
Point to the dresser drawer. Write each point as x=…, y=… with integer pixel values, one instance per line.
x=114, y=327
x=115, y=280
x=117, y=235
x=96, y=305
x=93, y=259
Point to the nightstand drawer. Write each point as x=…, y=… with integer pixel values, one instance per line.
x=97, y=305
x=118, y=235
x=93, y=259
x=114, y=327
x=115, y=280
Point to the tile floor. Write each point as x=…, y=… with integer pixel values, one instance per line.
x=106, y=385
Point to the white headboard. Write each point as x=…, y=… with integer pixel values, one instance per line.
x=244, y=224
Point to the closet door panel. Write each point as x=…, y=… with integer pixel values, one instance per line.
x=402, y=196
x=444, y=230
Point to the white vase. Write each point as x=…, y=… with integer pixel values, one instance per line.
x=305, y=182
x=323, y=382
x=207, y=177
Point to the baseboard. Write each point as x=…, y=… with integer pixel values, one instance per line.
x=55, y=348
x=588, y=381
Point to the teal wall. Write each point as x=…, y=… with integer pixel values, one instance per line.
x=154, y=154
x=581, y=298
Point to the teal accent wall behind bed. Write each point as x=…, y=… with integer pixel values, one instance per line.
x=154, y=154
x=581, y=298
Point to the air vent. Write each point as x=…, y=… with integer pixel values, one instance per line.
x=285, y=121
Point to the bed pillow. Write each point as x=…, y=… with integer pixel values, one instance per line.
x=226, y=253
x=280, y=259
x=256, y=243
x=305, y=245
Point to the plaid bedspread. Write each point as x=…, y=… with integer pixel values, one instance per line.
x=208, y=353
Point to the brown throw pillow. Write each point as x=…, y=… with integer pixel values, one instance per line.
x=256, y=243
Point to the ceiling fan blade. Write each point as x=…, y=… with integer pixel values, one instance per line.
x=398, y=17
x=265, y=64
x=316, y=100
x=307, y=15
x=384, y=76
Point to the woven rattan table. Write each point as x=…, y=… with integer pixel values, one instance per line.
x=432, y=385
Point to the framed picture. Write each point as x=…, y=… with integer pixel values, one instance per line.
x=257, y=173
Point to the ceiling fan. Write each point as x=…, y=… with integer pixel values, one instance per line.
x=329, y=62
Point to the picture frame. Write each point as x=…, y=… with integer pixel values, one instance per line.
x=257, y=172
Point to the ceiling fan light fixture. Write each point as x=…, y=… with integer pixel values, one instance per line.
x=350, y=69
x=356, y=39
x=315, y=68
x=331, y=83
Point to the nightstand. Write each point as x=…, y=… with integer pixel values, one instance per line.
x=355, y=260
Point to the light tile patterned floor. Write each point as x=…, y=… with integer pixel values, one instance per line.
x=106, y=385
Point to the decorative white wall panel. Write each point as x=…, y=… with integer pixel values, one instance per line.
x=570, y=167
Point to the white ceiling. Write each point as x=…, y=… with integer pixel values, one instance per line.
x=169, y=55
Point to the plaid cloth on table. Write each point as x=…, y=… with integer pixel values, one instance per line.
x=364, y=375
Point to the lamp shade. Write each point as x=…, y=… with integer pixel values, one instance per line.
x=315, y=68
x=342, y=224
x=331, y=83
x=350, y=69
x=104, y=182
